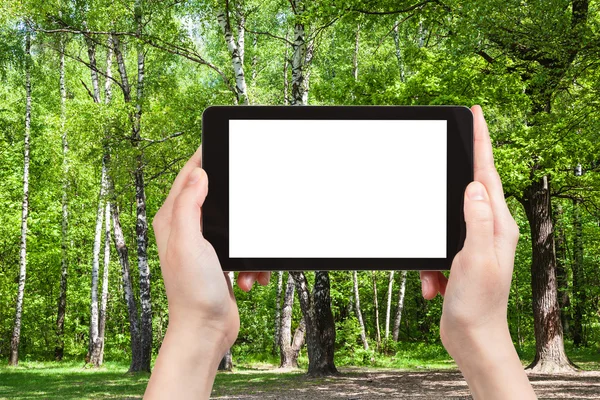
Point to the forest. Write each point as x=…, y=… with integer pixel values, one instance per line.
x=101, y=105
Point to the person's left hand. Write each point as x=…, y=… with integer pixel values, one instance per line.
x=199, y=294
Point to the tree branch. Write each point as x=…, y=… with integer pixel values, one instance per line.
x=411, y=8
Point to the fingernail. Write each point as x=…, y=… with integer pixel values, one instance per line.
x=194, y=176
x=424, y=285
x=476, y=191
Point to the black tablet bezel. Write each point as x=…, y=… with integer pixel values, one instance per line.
x=215, y=161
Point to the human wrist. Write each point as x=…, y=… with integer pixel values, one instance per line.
x=198, y=341
x=487, y=359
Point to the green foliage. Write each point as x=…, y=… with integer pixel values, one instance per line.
x=454, y=53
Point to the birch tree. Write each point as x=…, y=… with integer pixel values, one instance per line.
x=389, y=305
x=62, y=297
x=236, y=50
x=363, y=335
x=94, y=342
x=16, y=334
x=376, y=309
x=277, y=336
x=290, y=346
x=400, y=307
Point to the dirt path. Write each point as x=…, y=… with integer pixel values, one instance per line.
x=356, y=384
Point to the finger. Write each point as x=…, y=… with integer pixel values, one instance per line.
x=442, y=283
x=264, y=278
x=246, y=280
x=479, y=219
x=429, y=284
x=186, y=213
x=485, y=172
x=162, y=219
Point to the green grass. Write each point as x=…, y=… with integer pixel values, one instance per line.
x=68, y=380
x=252, y=374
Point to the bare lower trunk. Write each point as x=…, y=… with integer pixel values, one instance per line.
x=16, y=334
x=562, y=275
x=320, y=327
x=62, y=297
x=226, y=363
x=277, y=336
x=94, y=345
x=550, y=352
x=363, y=334
x=376, y=306
x=290, y=348
x=132, y=309
x=396, y=331
x=105, y=271
x=388, y=309
x=235, y=52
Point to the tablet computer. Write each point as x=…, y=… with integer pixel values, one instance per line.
x=336, y=187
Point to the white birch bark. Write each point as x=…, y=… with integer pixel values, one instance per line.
x=236, y=54
x=94, y=344
x=363, y=335
x=376, y=303
x=298, y=58
x=105, y=272
x=16, y=334
x=355, y=58
x=132, y=309
x=388, y=309
x=277, y=335
x=396, y=35
x=396, y=331
x=286, y=62
x=62, y=297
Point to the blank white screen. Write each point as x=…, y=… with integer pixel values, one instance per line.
x=337, y=188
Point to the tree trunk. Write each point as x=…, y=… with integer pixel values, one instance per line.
x=550, y=353
x=235, y=52
x=277, y=336
x=62, y=297
x=94, y=345
x=16, y=334
x=141, y=227
x=376, y=305
x=320, y=327
x=290, y=348
x=298, y=57
x=132, y=309
x=363, y=334
x=388, y=309
x=562, y=275
x=579, y=295
x=355, y=57
x=399, y=52
x=226, y=363
x=286, y=62
x=140, y=359
x=396, y=331
x=102, y=314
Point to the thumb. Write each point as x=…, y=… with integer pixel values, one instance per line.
x=479, y=219
x=187, y=205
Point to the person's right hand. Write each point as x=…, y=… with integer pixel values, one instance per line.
x=474, y=327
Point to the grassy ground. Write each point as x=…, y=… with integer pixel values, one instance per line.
x=69, y=380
